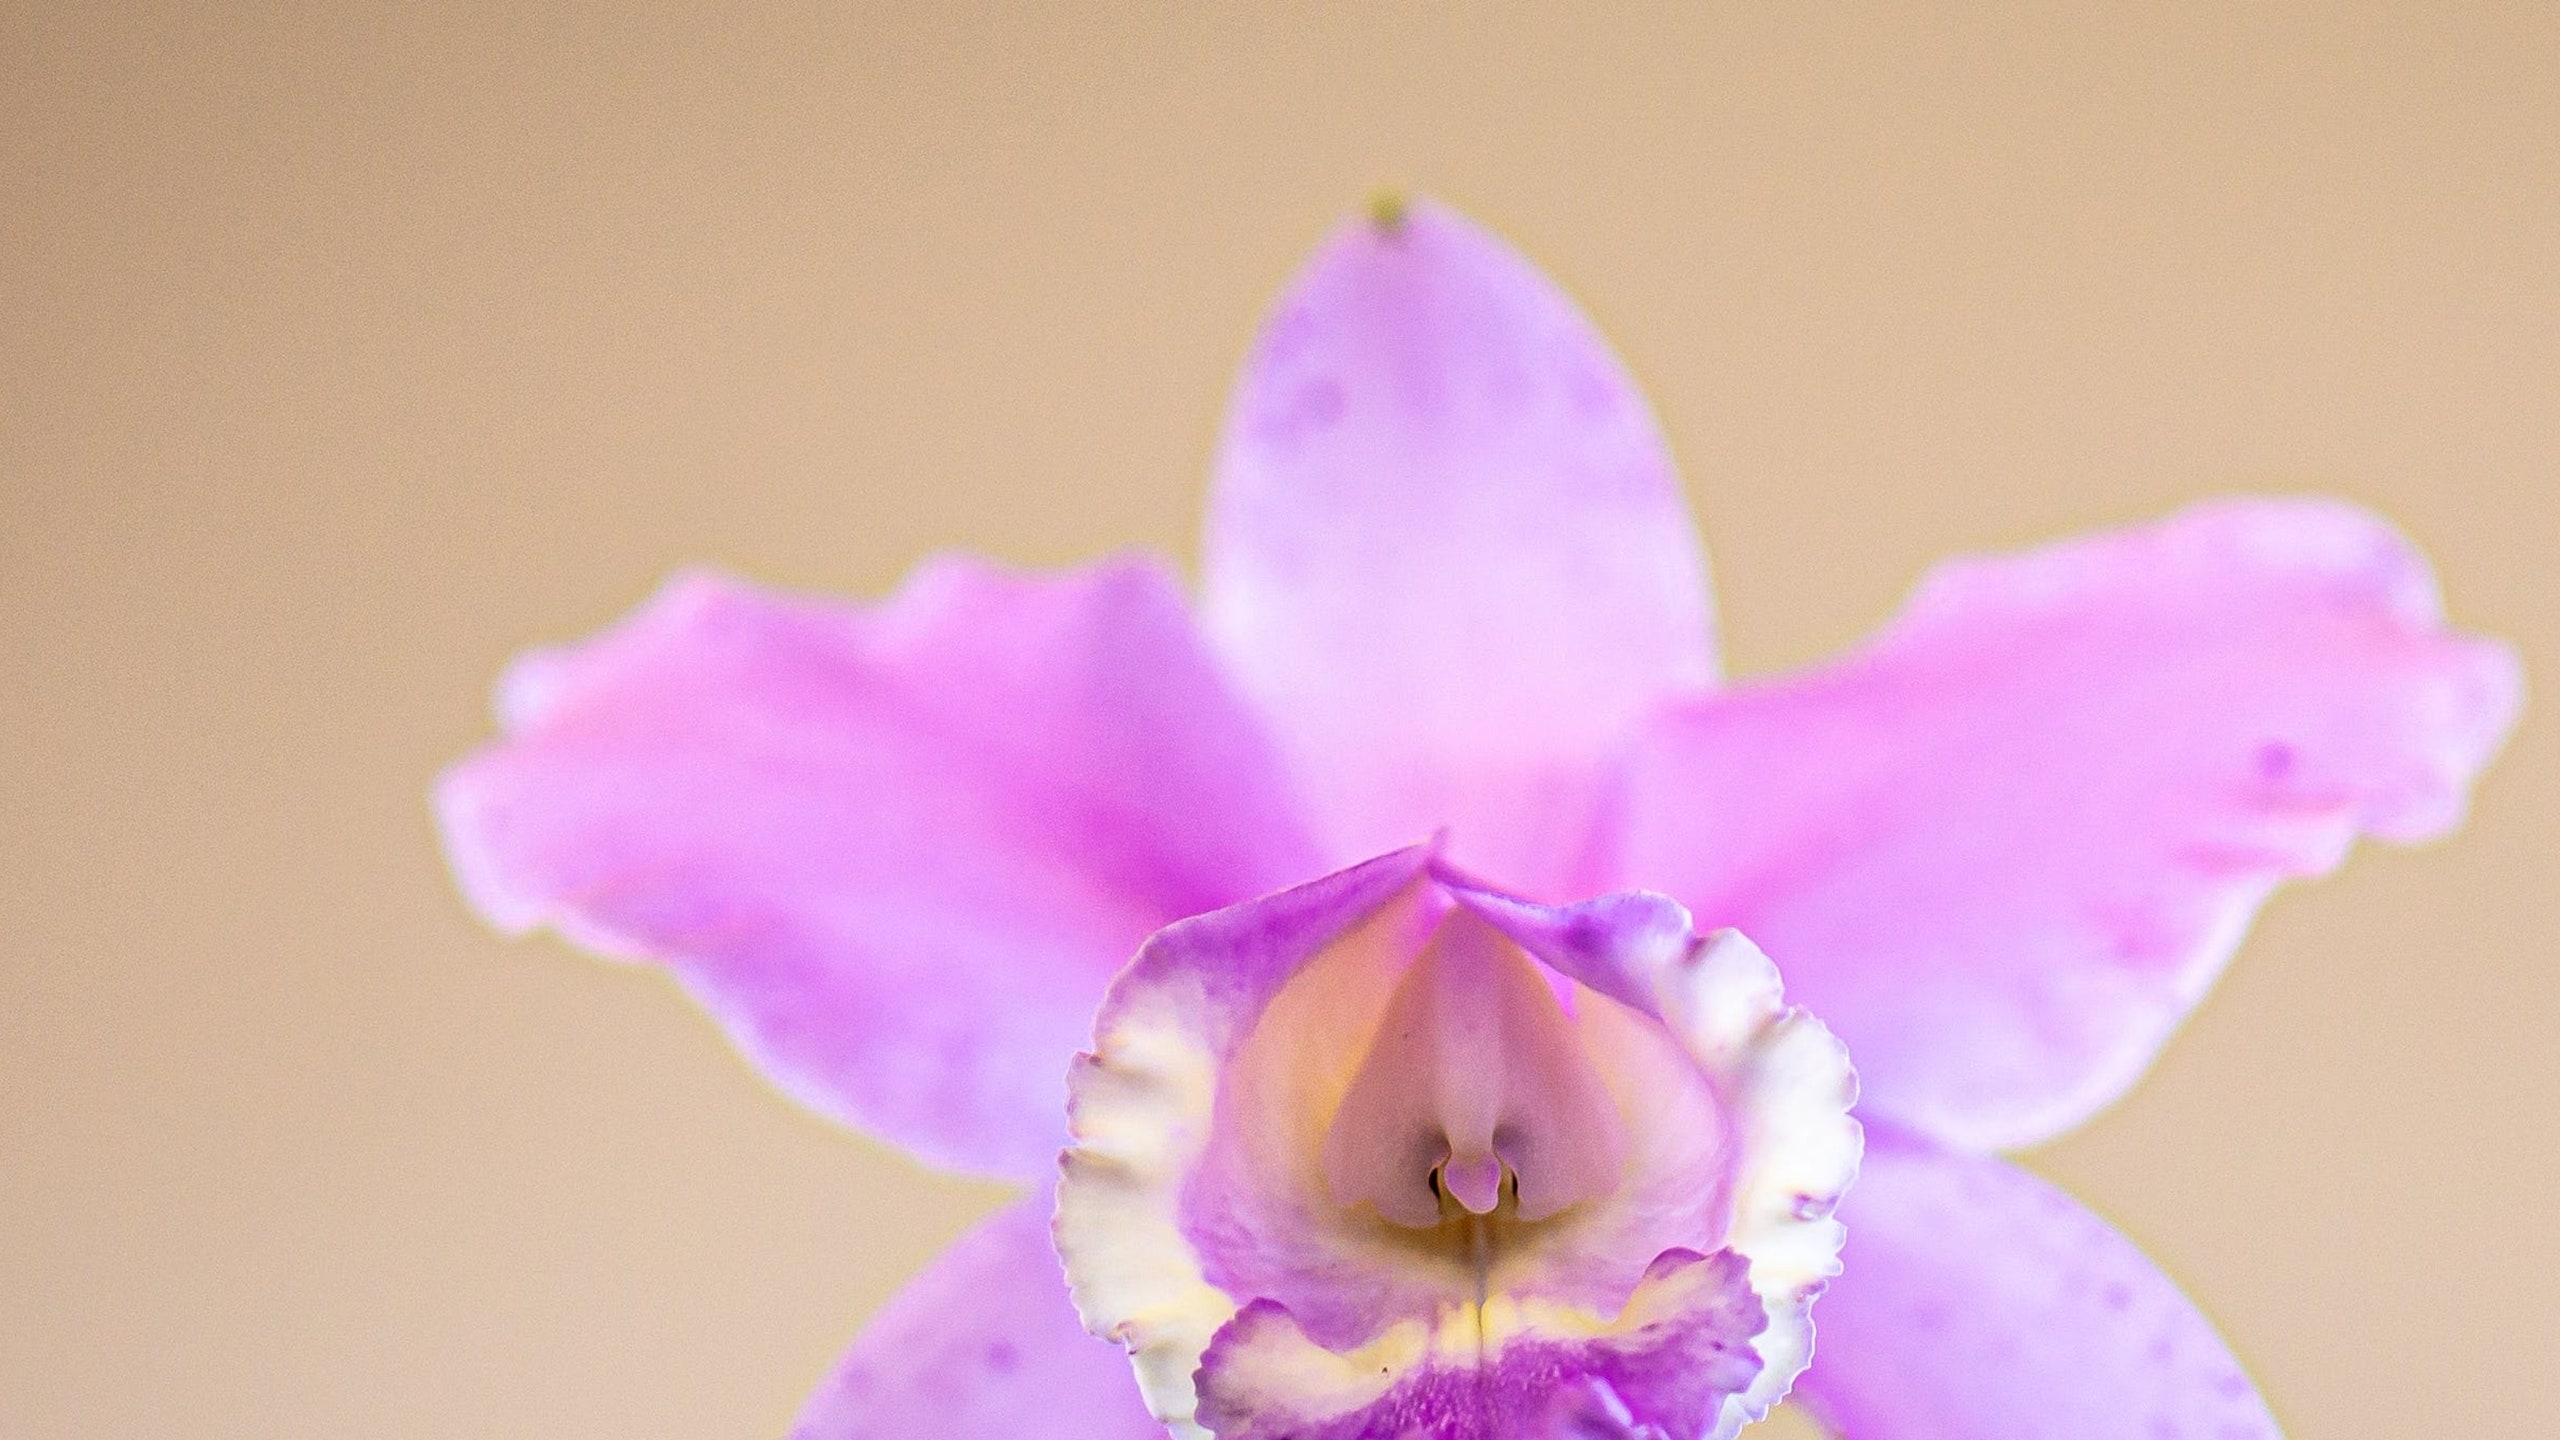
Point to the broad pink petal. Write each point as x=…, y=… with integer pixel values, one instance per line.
x=2004, y=848
x=1977, y=1302
x=1447, y=551
x=982, y=1346
x=897, y=851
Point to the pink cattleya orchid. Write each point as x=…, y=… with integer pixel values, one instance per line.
x=1386, y=1138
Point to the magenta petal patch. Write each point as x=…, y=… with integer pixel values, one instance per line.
x=1979, y=1303
x=898, y=851
x=1446, y=550
x=2005, y=847
x=983, y=1343
x=1665, y=1366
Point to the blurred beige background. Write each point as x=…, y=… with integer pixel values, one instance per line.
x=345, y=350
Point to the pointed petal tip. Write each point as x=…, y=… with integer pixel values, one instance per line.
x=1404, y=240
x=463, y=825
x=1388, y=210
x=540, y=680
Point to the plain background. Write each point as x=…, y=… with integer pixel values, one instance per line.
x=345, y=350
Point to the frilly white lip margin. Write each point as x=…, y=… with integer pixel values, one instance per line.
x=1142, y=1105
x=1790, y=1087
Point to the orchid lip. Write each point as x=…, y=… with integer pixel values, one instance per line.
x=1392, y=1142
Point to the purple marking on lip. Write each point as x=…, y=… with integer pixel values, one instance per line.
x=1669, y=1376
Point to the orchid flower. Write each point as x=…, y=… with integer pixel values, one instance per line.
x=1392, y=1128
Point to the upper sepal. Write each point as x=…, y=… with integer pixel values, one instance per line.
x=1446, y=551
